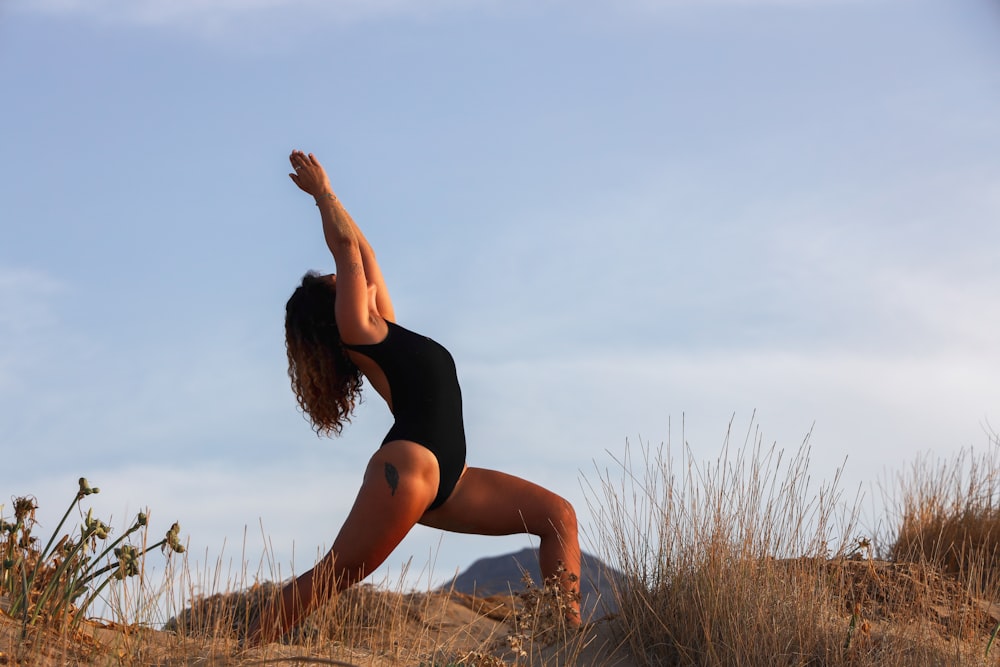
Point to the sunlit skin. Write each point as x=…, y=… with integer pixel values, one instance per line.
x=401, y=479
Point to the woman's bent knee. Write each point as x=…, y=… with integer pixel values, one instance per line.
x=562, y=517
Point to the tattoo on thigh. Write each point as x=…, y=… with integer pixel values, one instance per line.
x=392, y=476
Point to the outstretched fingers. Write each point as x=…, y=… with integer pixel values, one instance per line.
x=309, y=174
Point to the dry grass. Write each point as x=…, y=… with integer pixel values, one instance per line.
x=378, y=625
x=745, y=560
x=950, y=515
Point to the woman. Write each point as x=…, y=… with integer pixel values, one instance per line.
x=341, y=327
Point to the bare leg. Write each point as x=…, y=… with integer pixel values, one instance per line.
x=487, y=502
x=400, y=482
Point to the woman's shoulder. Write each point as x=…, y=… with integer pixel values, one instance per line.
x=376, y=334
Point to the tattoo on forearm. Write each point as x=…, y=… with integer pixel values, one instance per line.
x=392, y=476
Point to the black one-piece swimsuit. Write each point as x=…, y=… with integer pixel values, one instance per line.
x=426, y=399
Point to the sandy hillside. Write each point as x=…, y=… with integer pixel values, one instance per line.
x=881, y=606
x=379, y=629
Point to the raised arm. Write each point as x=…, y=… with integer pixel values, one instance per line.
x=373, y=273
x=357, y=270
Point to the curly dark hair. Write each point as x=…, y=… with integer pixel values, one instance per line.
x=327, y=384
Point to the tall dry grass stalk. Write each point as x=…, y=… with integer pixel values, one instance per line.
x=747, y=561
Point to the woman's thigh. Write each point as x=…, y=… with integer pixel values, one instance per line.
x=400, y=482
x=489, y=502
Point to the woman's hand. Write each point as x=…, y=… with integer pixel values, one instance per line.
x=309, y=174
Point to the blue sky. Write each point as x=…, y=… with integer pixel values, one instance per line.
x=617, y=215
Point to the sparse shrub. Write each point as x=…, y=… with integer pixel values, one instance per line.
x=58, y=583
x=949, y=516
x=541, y=617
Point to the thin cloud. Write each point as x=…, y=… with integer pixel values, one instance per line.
x=26, y=295
x=195, y=13
x=191, y=12
x=27, y=317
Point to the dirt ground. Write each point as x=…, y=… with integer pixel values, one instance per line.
x=434, y=629
x=368, y=627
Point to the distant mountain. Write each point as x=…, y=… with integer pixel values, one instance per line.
x=504, y=574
